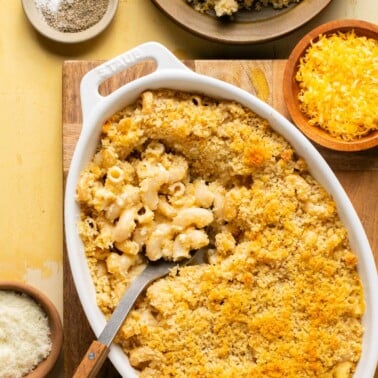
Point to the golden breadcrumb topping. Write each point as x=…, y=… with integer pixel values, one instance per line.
x=281, y=295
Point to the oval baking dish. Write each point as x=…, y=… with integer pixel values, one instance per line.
x=171, y=73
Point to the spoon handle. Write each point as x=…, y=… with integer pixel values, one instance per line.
x=99, y=349
x=92, y=361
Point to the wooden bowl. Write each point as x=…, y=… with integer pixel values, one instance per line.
x=291, y=86
x=36, y=19
x=55, y=324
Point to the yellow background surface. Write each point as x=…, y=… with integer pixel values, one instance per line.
x=31, y=190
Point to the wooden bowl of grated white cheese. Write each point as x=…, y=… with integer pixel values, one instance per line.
x=31, y=332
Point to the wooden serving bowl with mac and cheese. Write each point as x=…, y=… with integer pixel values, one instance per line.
x=174, y=161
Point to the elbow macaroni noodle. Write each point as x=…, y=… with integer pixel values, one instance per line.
x=171, y=227
x=158, y=202
x=281, y=295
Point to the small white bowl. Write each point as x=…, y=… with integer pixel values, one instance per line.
x=37, y=20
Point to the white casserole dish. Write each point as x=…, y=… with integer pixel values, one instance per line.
x=171, y=73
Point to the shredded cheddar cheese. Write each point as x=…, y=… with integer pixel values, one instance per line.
x=260, y=83
x=338, y=77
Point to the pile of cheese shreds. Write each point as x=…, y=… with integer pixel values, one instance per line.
x=338, y=77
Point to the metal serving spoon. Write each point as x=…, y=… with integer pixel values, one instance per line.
x=99, y=349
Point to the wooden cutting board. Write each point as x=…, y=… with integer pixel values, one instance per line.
x=357, y=172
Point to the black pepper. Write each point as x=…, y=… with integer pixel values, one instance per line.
x=75, y=15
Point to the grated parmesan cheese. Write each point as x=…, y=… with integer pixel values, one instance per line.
x=24, y=335
x=338, y=77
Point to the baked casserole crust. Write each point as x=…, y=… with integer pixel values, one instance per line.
x=281, y=295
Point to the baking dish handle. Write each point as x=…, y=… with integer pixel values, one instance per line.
x=89, y=87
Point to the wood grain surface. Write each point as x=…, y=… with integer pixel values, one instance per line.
x=357, y=171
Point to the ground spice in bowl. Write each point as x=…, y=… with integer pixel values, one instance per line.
x=71, y=16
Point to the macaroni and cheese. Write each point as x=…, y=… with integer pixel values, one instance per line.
x=281, y=295
x=223, y=8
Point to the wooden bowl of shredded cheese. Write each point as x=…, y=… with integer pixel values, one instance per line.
x=31, y=332
x=331, y=85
